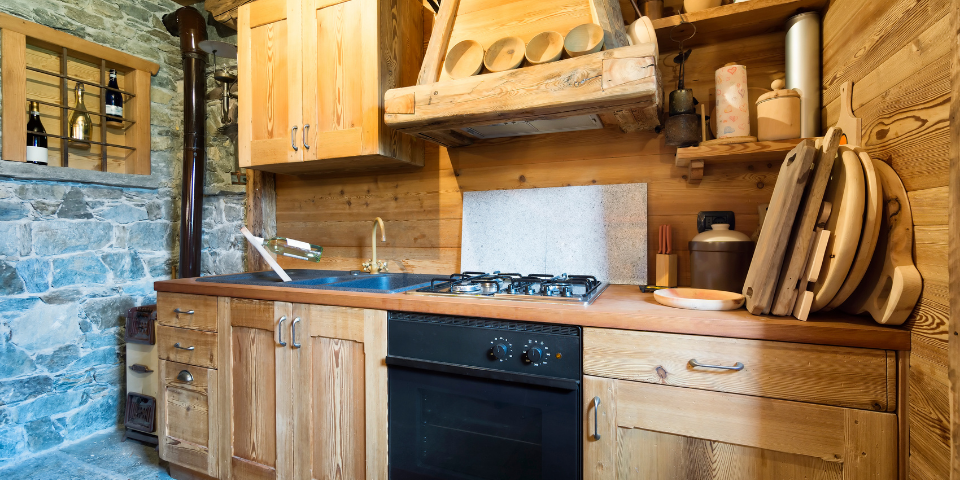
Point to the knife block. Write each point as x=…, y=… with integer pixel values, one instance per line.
x=666, y=270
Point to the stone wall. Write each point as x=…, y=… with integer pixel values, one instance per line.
x=75, y=257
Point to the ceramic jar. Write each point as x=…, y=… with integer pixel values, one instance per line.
x=778, y=114
x=720, y=259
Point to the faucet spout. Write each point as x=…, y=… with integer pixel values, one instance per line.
x=375, y=266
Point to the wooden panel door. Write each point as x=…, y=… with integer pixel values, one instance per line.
x=255, y=366
x=342, y=383
x=660, y=432
x=334, y=80
x=271, y=84
x=188, y=428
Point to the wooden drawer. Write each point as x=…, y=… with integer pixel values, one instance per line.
x=196, y=347
x=174, y=309
x=188, y=422
x=849, y=377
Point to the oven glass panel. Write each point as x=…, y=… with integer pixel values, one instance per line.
x=445, y=426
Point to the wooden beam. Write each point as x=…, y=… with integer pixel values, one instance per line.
x=439, y=42
x=261, y=213
x=576, y=86
x=13, y=64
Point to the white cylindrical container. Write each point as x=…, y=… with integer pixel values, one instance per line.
x=803, y=68
x=733, y=105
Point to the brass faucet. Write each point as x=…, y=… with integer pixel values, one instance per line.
x=374, y=265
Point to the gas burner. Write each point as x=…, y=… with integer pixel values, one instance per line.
x=562, y=288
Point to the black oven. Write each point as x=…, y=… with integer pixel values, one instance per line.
x=474, y=399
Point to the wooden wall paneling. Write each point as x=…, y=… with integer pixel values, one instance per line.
x=261, y=218
x=953, y=256
x=13, y=63
x=929, y=409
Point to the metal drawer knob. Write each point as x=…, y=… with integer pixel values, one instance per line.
x=185, y=376
x=190, y=348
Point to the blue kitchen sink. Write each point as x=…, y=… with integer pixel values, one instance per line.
x=384, y=283
x=353, y=281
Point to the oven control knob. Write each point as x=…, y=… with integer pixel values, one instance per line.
x=535, y=355
x=499, y=351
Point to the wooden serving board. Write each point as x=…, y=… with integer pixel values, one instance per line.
x=891, y=287
x=698, y=299
x=873, y=207
x=846, y=192
x=761, y=281
x=798, y=250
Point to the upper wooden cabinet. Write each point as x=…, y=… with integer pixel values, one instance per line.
x=312, y=78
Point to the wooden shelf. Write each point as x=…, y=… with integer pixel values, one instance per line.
x=732, y=21
x=695, y=158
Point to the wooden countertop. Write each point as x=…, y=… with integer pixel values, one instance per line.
x=620, y=306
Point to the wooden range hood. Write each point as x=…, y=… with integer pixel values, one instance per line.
x=623, y=80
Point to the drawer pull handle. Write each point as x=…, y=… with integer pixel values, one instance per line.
x=736, y=367
x=280, y=331
x=293, y=138
x=185, y=312
x=293, y=333
x=185, y=376
x=140, y=368
x=189, y=349
x=596, y=418
x=305, y=128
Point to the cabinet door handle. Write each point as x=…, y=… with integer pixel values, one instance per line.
x=190, y=348
x=293, y=138
x=185, y=376
x=280, y=331
x=305, y=128
x=596, y=418
x=736, y=367
x=186, y=312
x=293, y=333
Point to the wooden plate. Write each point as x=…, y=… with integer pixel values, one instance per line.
x=699, y=299
x=846, y=192
x=464, y=59
x=868, y=236
x=584, y=39
x=545, y=47
x=505, y=54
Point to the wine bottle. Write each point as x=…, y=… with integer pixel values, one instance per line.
x=36, y=144
x=81, y=127
x=294, y=248
x=114, y=100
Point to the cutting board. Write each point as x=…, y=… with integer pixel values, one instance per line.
x=798, y=250
x=761, y=282
x=598, y=230
x=846, y=191
x=891, y=286
x=872, y=212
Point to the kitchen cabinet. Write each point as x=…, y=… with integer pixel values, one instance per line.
x=312, y=74
x=188, y=422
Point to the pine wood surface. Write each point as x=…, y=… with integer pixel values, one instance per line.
x=204, y=316
x=189, y=432
x=953, y=257
x=769, y=151
x=204, y=353
x=338, y=392
x=847, y=377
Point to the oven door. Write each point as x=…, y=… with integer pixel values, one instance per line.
x=462, y=426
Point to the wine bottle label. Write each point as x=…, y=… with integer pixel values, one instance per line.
x=114, y=110
x=298, y=244
x=37, y=154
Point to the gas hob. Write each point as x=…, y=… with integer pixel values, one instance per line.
x=582, y=289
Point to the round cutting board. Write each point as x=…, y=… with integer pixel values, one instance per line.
x=868, y=236
x=846, y=192
x=699, y=299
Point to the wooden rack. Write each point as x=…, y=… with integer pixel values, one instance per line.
x=29, y=49
x=695, y=158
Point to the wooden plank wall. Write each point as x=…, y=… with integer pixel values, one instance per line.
x=422, y=210
x=898, y=55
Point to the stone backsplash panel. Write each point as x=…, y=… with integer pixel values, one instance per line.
x=75, y=257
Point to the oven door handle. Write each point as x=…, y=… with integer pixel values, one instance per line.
x=539, y=380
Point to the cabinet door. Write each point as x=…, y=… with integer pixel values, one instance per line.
x=660, y=432
x=270, y=83
x=341, y=420
x=257, y=388
x=335, y=83
x=188, y=430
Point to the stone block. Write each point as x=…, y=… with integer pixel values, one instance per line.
x=80, y=269
x=45, y=327
x=15, y=362
x=159, y=266
x=98, y=357
x=157, y=236
x=12, y=210
x=45, y=208
x=10, y=307
x=10, y=282
x=74, y=206
x=20, y=389
x=109, y=312
x=58, y=359
x=104, y=193
x=26, y=240
x=58, y=237
x=51, y=404
x=64, y=296
x=95, y=416
x=125, y=265
x=41, y=191
x=35, y=273
x=13, y=442
x=9, y=239
x=43, y=434
x=123, y=213
x=104, y=338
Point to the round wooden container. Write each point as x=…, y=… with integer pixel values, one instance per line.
x=778, y=113
x=464, y=59
x=504, y=54
x=584, y=39
x=545, y=47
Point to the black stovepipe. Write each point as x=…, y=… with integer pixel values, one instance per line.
x=188, y=24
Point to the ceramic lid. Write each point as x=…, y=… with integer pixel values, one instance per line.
x=721, y=233
x=778, y=92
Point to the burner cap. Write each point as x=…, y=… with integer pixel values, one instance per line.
x=465, y=288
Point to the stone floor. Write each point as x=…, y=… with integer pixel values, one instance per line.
x=102, y=456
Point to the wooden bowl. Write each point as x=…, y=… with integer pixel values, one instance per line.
x=584, y=39
x=464, y=59
x=699, y=299
x=505, y=54
x=546, y=47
